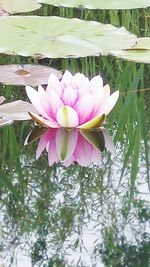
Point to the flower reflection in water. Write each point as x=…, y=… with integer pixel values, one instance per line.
x=72, y=145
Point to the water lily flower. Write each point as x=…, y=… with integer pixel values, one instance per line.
x=16, y=110
x=82, y=146
x=73, y=102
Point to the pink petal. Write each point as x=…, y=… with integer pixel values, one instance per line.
x=42, y=144
x=96, y=158
x=83, y=152
x=108, y=141
x=98, y=101
x=69, y=161
x=66, y=79
x=48, y=102
x=54, y=84
x=109, y=103
x=96, y=84
x=52, y=153
x=84, y=88
x=44, y=99
x=99, y=98
x=69, y=96
x=55, y=103
x=78, y=80
x=84, y=107
x=66, y=141
x=67, y=117
x=35, y=100
x=106, y=91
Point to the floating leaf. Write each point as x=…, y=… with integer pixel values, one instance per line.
x=32, y=75
x=99, y=4
x=61, y=37
x=17, y=6
x=4, y=122
x=16, y=110
x=139, y=53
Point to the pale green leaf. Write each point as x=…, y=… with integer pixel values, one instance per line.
x=139, y=53
x=99, y=4
x=17, y=6
x=56, y=37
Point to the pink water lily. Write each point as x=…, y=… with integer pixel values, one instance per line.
x=73, y=102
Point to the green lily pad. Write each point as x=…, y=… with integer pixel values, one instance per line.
x=17, y=6
x=56, y=37
x=99, y=4
x=139, y=53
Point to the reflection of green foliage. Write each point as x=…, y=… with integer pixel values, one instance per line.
x=38, y=250
x=120, y=253
x=137, y=256
x=143, y=212
x=28, y=188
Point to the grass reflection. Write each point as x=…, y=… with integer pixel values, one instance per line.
x=81, y=216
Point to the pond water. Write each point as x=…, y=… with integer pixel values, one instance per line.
x=87, y=203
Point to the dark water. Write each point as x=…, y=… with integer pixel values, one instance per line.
x=91, y=210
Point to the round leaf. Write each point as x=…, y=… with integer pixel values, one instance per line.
x=139, y=53
x=17, y=6
x=32, y=75
x=57, y=37
x=99, y=4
